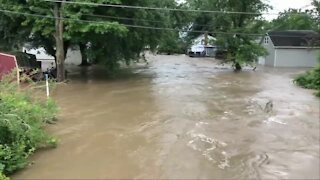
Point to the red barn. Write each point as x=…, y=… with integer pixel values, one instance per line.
x=8, y=63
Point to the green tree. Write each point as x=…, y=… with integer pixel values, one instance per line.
x=316, y=14
x=104, y=40
x=12, y=36
x=172, y=44
x=294, y=19
x=311, y=79
x=235, y=27
x=65, y=28
x=114, y=47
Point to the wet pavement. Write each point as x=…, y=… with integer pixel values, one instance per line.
x=182, y=118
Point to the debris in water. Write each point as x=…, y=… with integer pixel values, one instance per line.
x=269, y=106
x=273, y=119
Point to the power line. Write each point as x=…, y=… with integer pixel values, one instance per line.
x=127, y=25
x=131, y=19
x=159, y=8
x=127, y=18
x=138, y=26
x=143, y=20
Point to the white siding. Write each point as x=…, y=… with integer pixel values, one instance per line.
x=40, y=53
x=262, y=60
x=47, y=64
x=73, y=57
x=296, y=57
x=200, y=40
x=269, y=59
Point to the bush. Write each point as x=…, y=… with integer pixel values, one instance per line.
x=169, y=49
x=3, y=177
x=22, y=118
x=172, y=44
x=310, y=80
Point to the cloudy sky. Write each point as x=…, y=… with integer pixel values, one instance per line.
x=280, y=5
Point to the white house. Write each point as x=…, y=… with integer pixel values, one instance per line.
x=47, y=61
x=291, y=48
x=203, y=45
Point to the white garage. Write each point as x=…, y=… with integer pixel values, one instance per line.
x=291, y=48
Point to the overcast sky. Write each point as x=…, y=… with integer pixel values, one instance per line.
x=281, y=5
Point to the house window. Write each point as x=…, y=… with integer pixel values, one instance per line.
x=266, y=40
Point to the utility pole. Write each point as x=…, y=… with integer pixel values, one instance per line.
x=206, y=38
x=58, y=35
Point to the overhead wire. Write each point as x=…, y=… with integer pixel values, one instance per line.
x=128, y=18
x=127, y=25
x=157, y=8
x=139, y=26
x=150, y=8
x=142, y=20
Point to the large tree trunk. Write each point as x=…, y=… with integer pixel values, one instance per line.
x=66, y=45
x=84, y=58
x=237, y=67
x=58, y=14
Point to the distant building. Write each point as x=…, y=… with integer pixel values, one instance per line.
x=8, y=63
x=203, y=45
x=291, y=48
x=47, y=61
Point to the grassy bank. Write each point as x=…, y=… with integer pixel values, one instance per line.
x=22, y=118
x=310, y=80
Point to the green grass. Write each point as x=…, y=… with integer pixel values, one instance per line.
x=22, y=119
x=310, y=80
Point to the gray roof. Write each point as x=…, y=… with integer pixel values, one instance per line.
x=294, y=38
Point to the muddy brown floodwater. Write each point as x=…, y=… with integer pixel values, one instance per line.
x=182, y=118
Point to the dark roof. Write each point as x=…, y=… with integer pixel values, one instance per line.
x=296, y=38
x=26, y=60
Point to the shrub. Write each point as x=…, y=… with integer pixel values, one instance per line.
x=310, y=80
x=172, y=44
x=3, y=177
x=22, y=118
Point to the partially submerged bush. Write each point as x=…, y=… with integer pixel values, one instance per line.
x=22, y=118
x=310, y=80
x=3, y=177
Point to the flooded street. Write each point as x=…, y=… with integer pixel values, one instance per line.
x=182, y=118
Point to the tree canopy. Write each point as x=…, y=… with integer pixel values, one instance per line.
x=109, y=35
x=234, y=31
x=294, y=19
x=105, y=35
